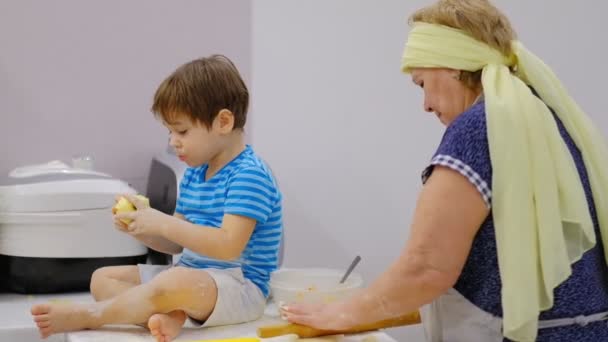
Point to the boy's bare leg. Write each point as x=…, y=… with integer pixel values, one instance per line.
x=178, y=289
x=108, y=282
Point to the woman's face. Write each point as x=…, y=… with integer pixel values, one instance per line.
x=444, y=94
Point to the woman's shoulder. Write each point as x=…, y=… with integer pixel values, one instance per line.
x=467, y=134
x=465, y=149
x=471, y=123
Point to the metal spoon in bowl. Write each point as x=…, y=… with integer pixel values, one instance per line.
x=350, y=268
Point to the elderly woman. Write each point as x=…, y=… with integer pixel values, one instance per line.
x=508, y=233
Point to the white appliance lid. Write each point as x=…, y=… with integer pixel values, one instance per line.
x=52, y=171
x=54, y=186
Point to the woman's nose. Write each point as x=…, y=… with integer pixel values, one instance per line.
x=427, y=107
x=427, y=104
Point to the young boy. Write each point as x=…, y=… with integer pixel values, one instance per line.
x=227, y=222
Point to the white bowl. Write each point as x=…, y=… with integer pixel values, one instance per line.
x=312, y=285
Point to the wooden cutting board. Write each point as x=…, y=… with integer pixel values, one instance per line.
x=304, y=331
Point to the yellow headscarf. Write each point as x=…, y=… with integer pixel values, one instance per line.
x=541, y=217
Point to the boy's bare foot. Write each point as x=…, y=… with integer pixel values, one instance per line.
x=57, y=318
x=165, y=327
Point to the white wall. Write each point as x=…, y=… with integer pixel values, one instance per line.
x=78, y=77
x=341, y=127
x=344, y=130
x=570, y=37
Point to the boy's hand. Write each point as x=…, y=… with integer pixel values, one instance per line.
x=143, y=221
x=122, y=205
x=118, y=224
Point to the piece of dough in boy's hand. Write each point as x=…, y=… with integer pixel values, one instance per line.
x=124, y=206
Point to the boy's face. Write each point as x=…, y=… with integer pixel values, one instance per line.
x=193, y=142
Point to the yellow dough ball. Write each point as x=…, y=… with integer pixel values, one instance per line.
x=124, y=206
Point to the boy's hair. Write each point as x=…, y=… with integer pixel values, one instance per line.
x=200, y=89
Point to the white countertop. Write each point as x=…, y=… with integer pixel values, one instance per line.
x=16, y=324
x=136, y=334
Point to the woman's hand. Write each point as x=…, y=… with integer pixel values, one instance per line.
x=335, y=317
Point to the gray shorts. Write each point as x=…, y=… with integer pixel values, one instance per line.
x=238, y=299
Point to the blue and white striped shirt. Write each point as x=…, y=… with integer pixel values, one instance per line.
x=244, y=187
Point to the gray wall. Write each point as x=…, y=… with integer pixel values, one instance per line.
x=77, y=77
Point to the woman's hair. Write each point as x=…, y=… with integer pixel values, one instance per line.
x=479, y=18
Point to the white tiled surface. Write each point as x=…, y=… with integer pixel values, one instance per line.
x=136, y=334
x=16, y=322
x=16, y=325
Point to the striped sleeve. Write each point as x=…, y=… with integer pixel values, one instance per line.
x=251, y=193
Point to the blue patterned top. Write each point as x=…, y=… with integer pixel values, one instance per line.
x=464, y=148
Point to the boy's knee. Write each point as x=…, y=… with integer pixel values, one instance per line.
x=166, y=297
x=167, y=282
x=98, y=280
x=99, y=275
x=177, y=287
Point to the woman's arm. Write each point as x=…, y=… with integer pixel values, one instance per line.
x=449, y=212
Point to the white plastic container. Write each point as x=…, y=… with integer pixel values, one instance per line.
x=312, y=285
x=56, y=228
